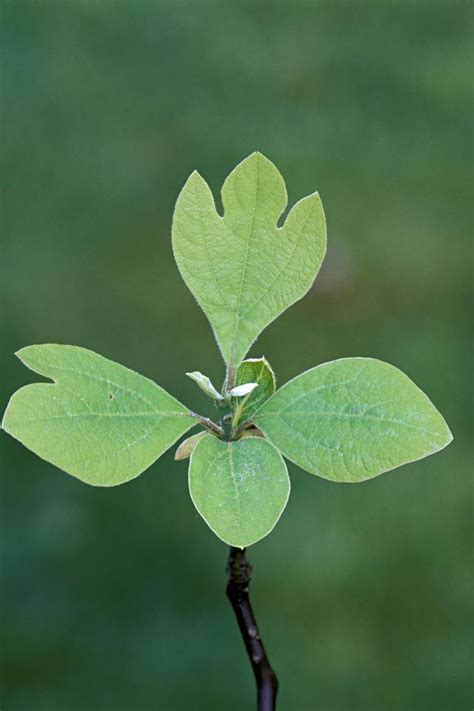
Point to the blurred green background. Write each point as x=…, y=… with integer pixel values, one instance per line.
x=113, y=600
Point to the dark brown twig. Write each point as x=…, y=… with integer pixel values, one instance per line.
x=239, y=571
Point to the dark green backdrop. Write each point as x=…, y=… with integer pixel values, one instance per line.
x=112, y=600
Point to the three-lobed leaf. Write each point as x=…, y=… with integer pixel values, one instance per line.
x=243, y=270
x=352, y=419
x=240, y=488
x=98, y=421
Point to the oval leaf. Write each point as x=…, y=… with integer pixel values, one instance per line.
x=243, y=270
x=239, y=488
x=352, y=419
x=99, y=421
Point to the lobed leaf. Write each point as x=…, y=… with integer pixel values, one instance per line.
x=99, y=421
x=240, y=488
x=243, y=270
x=352, y=419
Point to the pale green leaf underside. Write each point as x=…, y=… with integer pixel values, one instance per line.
x=352, y=419
x=242, y=391
x=256, y=370
x=244, y=270
x=99, y=421
x=205, y=384
x=186, y=447
x=239, y=488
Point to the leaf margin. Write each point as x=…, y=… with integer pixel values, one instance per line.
x=449, y=436
x=195, y=177
x=199, y=444
x=54, y=381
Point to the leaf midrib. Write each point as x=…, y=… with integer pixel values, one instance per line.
x=349, y=416
x=236, y=488
x=119, y=386
x=282, y=269
x=70, y=415
x=238, y=315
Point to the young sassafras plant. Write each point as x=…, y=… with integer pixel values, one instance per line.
x=347, y=421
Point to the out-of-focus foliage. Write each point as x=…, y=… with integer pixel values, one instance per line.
x=362, y=592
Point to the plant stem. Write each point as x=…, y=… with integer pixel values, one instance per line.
x=208, y=424
x=239, y=571
x=230, y=377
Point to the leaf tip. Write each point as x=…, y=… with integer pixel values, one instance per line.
x=449, y=435
x=445, y=436
x=315, y=196
x=256, y=157
x=194, y=179
x=22, y=352
x=26, y=355
x=32, y=356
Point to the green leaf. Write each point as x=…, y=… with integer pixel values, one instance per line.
x=99, y=421
x=239, y=488
x=352, y=419
x=243, y=270
x=205, y=384
x=257, y=370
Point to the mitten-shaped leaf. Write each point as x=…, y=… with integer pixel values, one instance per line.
x=239, y=488
x=98, y=421
x=244, y=270
x=352, y=419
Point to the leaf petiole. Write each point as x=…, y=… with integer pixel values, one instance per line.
x=209, y=424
